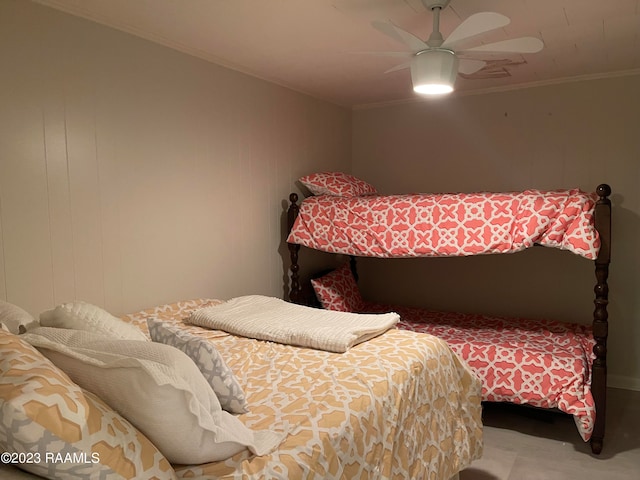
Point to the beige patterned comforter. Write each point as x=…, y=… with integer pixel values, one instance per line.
x=401, y=405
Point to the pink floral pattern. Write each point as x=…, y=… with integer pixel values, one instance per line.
x=338, y=290
x=336, y=183
x=448, y=224
x=543, y=363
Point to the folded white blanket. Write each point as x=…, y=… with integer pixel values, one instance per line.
x=273, y=319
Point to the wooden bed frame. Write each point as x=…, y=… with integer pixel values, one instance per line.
x=600, y=325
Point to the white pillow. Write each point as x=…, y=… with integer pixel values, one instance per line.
x=158, y=389
x=43, y=411
x=209, y=361
x=85, y=316
x=13, y=317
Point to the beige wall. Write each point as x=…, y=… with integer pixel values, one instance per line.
x=576, y=134
x=132, y=175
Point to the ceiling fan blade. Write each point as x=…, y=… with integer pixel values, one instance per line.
x=514, y=45
x=395, y=32
x=475, y=25
x=402, y=66
x=468, y=66
x=386, y=54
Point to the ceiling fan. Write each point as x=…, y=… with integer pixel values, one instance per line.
x=435, y=62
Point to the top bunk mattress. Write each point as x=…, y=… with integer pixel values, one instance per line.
x=430, y=225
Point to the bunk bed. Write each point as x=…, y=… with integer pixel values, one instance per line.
x=356, y=221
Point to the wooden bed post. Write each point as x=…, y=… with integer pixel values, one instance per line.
x=295, y=289
x=354, y=266
x=600, y=315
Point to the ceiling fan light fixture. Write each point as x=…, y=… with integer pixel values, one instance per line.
x=433, y=72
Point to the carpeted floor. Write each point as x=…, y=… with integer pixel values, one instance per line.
x=527, y=444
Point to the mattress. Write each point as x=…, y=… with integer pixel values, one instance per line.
x=398, y=226
x=542, y=363
x=401, y=405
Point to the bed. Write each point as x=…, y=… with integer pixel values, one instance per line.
x=540, y=363
x=393, y=404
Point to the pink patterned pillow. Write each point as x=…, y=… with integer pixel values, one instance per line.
x=338, y=291
x=337, y=184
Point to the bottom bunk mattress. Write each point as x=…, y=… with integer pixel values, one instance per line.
x=542, y=363
x=400, y=405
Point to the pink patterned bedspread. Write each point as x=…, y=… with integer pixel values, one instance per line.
x=545, y=363
x=448, y=224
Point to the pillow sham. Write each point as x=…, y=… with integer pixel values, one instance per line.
x=338, y=290
x=210, y=363
x=337, y=184
x=158, y=389
x=68, y=432
x=80, y=315
x=14, y=317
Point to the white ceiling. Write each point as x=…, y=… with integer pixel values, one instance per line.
x=310, y=45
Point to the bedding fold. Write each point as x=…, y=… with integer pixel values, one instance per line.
x=273, y=319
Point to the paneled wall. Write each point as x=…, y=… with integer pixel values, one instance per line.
x=571, y=135
x=133, y=175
